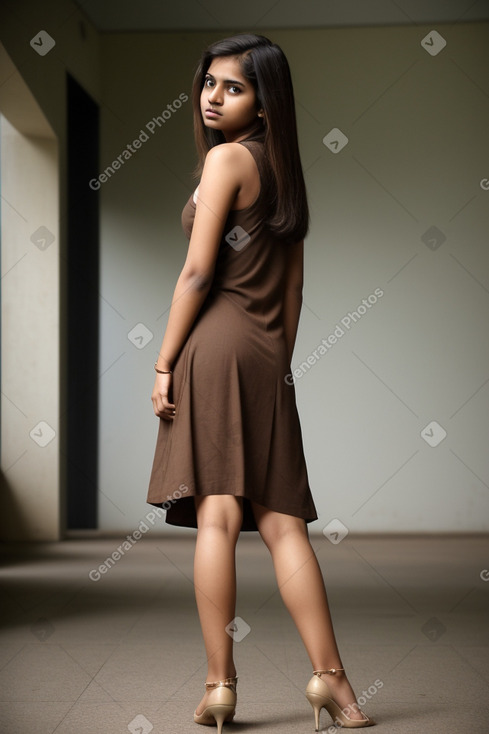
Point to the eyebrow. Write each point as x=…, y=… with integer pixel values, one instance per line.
x=226, y=81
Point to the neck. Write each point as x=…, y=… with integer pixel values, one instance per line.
x=236, y=137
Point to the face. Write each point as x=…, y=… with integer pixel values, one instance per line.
x=228, y=100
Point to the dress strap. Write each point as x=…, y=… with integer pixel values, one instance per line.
x=257, y=150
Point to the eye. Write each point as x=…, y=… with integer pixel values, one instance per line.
x=234, y=90
x=208, y=82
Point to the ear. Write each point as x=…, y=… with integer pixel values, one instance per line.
x=261, y=113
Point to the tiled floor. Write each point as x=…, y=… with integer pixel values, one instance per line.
x=124, y=653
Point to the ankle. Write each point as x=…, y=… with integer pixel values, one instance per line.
x=213, y=677
x=328, y=673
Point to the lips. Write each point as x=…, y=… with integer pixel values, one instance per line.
x=212, y=112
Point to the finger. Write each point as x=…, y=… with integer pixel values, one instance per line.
x=166, y=404
x=165, y=411
x=159, y=408
x=168, y=414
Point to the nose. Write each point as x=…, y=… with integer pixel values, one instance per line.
x=215, y=95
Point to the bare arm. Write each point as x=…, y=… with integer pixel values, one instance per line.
x=293, y=295
x=218, y=187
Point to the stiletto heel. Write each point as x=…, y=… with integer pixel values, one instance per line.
x=221, y=716
x=316, y=703
x=319, y=695
x=221, y=705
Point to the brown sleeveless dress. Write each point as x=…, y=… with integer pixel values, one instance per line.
x=236, y=429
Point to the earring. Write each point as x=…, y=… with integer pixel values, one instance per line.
x=261, y=114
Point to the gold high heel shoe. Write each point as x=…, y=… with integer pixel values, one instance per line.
x=319, y=695
x=221, y=704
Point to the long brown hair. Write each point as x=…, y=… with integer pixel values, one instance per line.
x=265, y=66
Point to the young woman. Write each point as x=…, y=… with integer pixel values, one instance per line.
x=229, y=454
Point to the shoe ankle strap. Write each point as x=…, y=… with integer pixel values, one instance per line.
x=331, y=671
x=227, y=683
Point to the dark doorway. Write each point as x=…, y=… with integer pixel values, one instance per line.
x=82, y=300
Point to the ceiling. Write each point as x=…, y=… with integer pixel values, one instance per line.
x=168, y=15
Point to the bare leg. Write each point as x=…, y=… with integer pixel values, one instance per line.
x=219, y=520
x=302, y=589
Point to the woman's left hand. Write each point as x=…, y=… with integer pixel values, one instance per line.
x=160, y=397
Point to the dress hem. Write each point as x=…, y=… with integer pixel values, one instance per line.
x=185, y=515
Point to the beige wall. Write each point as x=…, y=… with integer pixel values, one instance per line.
x=33, y=185
x=30, y=499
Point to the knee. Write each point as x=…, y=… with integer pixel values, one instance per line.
x=283, y=533
x=274, y=527
x=219, y=513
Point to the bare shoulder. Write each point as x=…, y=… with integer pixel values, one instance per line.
x=227, y=155
x=227, y=166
